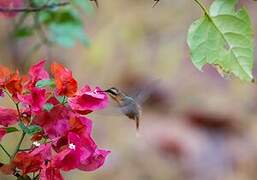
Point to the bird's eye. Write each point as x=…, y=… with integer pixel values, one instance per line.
x=113, y=91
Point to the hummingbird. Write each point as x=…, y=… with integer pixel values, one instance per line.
x=131, y=106
x=128, y=105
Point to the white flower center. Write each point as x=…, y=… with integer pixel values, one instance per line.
x=36, y=143
x=72, y=146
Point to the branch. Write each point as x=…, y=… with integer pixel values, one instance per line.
x=34, y=9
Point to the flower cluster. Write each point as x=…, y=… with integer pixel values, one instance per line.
x=52, y=112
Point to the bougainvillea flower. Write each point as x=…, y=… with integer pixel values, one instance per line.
x=54, y=122
x=66, y=85
x=2, y=133
x=43, y=150
x=9, y=4
x=70, y=155
x=37, y=72
x=81, y=126
x=49, y=172
x=87, y=100
x=14, y=84
x=4, y=74
x=95, y=161
x=8, y=116
x=35, y=99
x=32, y=161
x=27, y=163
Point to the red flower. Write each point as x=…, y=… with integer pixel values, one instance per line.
x=14, y=84
x=27, y=163
x=87, y=100
x=35, y=99
x=2, y=133
x=37, y=72
x=9, y=4
x=66, y=85
x=4, y=74
x=49, y=172
x=32, y=161
x=8, y=116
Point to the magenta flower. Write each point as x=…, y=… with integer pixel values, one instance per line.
x=35, y=99
x=8, y=116
x=44, y=150
x=95, y=161
x=69, y=156
x=2, y=133
x=55, y=122
x=49, y=172
x=37, y=72
x=86, y=100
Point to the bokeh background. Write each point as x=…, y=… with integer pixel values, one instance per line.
x=195, y=125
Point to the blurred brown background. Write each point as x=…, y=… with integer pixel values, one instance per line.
x=196, y=125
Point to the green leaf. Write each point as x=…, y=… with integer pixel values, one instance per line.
x=223, y=38
x=62, y=99
x=11, y=129
x=30, y=130
x=22, y=126
x=48, y=106
x=45, y=83
x=65, y=27
x=33, y=129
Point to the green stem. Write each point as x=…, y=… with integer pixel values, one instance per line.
x=6, y=152
x=23, y=133
x=199, y=3
x=19, y=144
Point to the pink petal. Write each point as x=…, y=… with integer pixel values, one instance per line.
x=68, y=158
x=8, y=116
x=95, y=161
x=54, y=122
x=49, y=172
x=2, y=133
x=87, y=100
x=35, y=99
x=37, y=71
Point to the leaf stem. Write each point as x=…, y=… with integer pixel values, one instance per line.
x=200, y=4
x=23, y=133
x=6, y=152
x=19, y=144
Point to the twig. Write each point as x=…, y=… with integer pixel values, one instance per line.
x=34, y=9
x=19, y=144
x=6, y=152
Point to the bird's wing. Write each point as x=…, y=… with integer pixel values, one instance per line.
x=145, y=92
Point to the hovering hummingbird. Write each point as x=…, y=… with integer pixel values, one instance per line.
x=131, y=106
x=127, y=104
